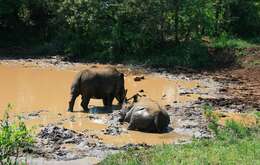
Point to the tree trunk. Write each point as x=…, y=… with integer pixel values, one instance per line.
x=217, y=14
x=176, y=20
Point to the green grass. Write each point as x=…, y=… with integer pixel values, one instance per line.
x=257, y=113
x=233, y=144
x=245, y=151
x=225, y=41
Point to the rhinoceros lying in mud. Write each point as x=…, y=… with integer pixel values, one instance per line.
x=99, y=82
x=145, y=115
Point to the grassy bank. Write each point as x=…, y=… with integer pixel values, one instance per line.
x=244, y=151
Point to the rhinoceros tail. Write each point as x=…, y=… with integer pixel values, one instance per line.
x=162, y=121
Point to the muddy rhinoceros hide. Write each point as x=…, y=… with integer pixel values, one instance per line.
x=145, y=115
x=98, y=82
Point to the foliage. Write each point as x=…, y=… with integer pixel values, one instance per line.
x=226, y=41
x=112, y=30
x=257, y=113
x=13, y=138
x=212, y=119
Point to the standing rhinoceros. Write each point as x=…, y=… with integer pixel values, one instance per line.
x=145, y=115
x=98, y=82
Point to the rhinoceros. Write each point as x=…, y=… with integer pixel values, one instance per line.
x=145, y=115
x=98, y=82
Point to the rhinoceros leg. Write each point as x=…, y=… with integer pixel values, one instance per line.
x=72, y=102
x=107, y=101
x=131, y=126
x=84, y=103
x=104, y=101
x=110, y=100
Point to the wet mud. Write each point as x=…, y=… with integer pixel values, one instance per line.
x=39, y=92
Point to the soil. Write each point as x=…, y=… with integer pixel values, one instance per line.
x=65, y=136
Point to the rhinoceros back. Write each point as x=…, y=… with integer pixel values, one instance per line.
x=99, y=81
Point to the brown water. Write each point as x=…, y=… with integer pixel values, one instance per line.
x=30, y=89
x=248, y=120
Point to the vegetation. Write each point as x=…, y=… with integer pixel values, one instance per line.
x=116, y=31
x=224, y=41
x=233, y=144
x=13, y=138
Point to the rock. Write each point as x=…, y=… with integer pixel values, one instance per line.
x=141, y=91
x=42, y=110
x=139, y=78
x=93, y=117
x=135, y=146
x=51, y=140
x=163, y=96
x=223, y=90
x=53, y=134
x=72, y=119
x=34, y=114
x=167, y=107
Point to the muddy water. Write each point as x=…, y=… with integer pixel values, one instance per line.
x=248, y=120
x=46, y=92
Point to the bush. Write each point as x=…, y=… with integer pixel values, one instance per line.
x=227, y=41
x=14, y=136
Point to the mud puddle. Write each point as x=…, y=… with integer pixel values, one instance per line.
x=40, y=96
x=43, y=94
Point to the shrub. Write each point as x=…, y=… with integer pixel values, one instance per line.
x=14, y=136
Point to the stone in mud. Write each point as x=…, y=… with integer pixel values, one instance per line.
x=34, y=114
x=135, y=146
x=114, y=126
x=139, y=78
x=54, y=134
x=114, y=129
x=43, y=110
x=72, y=118
x=141, y=91
x=167, y=107
x=51, y=141
x=163, y=97
x=223, y=90
x=93, y=117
